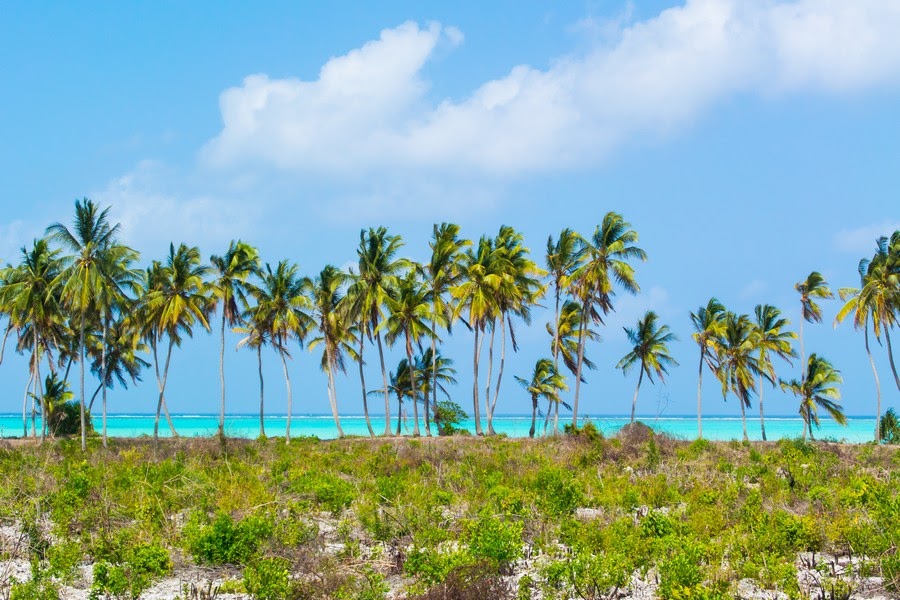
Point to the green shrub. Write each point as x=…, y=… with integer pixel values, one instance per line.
x=330, y=491
x=496, y=541
x=35, y=589
x=225, y=542
x=589, y=575
x=556, y=490
x=447, y=416
x=268, y=579
x=143, y=563
x=681, y=572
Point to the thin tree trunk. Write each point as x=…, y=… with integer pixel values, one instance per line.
x=877, y=384
x=636, y=390
x=384, y=378
x=499, y=372
x=222, y=375
x=412, y=384
x=94, y=397
x=68, y=367
x=547, y=416
x=487, y=389
x=806, y=426
x=290, y=399
x=40, y=395
x=262, y=423
x=333, y=391
x=802, y=354
x=35, y=364
x=581, y=341
x=762, y=419
x=477, y=355
x=700, y=397
x=534, y=403
x=433, y=381
x=556, y=417
x=25, y=403
x=744, y=418
x=103, y=376
x=9, y=327
x=362, y=381
x=81, y=399
x=153, y=345
x=399, y=410
x=161, y=404
x=887, y=335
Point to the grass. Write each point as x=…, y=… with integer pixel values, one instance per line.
x=579, y=514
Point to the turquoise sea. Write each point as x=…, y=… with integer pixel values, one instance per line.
x=858, y=429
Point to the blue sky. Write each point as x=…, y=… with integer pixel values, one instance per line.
x=747, y=142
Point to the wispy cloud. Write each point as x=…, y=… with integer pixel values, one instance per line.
x=862, y=239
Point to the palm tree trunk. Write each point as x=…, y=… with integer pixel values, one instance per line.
x=94, y=397
x=9, y=327
x=877, y=384
x=534, y=403
x=25, y=403
x=290, y=399
x=222, y=375
x=887, y=336
x=547, y=416
x=500, y=371
x=362, y=381
x=477, y=355
x=700, y=397
x=384, y=378
x=487, y=389
x=433, y=380
x=762, y=419
x=262, y=423
x=581, y=341
x=412, y=385
x=744, y=418
x=332, y=391
x=39, y=393
x=399, y=410
x=636, y=390
x=153, y=346
x=802, y=356
x=806, y=426
x=556, y=417
x=81, y=398
x=161, y=404
x=103, y=375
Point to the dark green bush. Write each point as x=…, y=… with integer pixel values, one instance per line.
x=268, y=579
x=224, y=541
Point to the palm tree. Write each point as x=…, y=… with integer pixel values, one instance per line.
x=256, y=332
x=817, y=390
x=772, y=339
x=400, y=386
x=283, y=305
x=231, y=271
x=709, y=326
x=434, y=372
x=476, y=295
x=31, y=297
x=83, y=281
x=378, y=270
x=443, y=272
x=737, y=365
x=606, y=262
x=177, y=299
x=564, y=345
x=334, y=335
x=650, y=350
x=546, y=382
x=56, y=393
x=519, y=290
x=409, y=316
x=117, y=359
x=814, y=286
x=564, y=258
x=868, y=303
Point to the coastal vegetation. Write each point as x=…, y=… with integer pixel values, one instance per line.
x=78, y=297
x=571, y=516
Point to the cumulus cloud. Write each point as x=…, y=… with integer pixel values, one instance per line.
x=369, y=110
x=862, y=239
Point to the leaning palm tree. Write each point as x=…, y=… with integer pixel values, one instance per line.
x=546, y=382
x=378, y=271
x=434, y=370
x=334, y=335
x=564, y=344
x=817, y=390
x=709, y=326
x=118, y=358
x=231, y=271
x=177, y=300
x=869, y=303
x=83, y=280
x=256, y=331
x=737, y=364
x=607, y=256
x=650, y=351
x=410, y=317
x=283, y=306
x=443, y=271
x=814, y=286
x=564, y=258
x=772, y=340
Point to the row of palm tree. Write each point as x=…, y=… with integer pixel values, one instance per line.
x=76, y=296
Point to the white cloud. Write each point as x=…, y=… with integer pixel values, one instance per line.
x=753, y=289
x=862, y=239
x=369, y=110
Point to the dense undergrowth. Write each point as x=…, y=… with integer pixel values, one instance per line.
x=450, y=517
